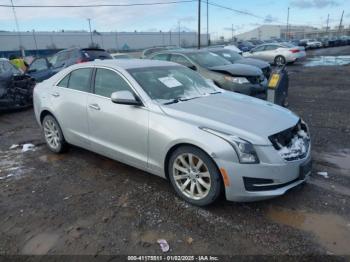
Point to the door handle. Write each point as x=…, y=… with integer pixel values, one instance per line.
x=56, y=94
x=94, y=106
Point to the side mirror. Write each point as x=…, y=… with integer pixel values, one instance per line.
x=125, y=98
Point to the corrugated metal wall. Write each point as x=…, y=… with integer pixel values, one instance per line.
x=9, y=41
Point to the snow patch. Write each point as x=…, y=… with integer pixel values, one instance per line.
x=28, y=147
x=7, y=176
x=324, y=174
x=295, y=148
x=14, y=146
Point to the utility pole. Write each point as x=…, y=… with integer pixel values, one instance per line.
x=341, y=22
x=327, y=24
x=287, y=29
x=179, y=25
x=199, y=24
x=36, y=44
x=21, y=48
x=207, y=22
x=89, y=20
x=232, y=30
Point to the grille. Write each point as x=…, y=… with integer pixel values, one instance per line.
x=256, y=79
x=292, y=143
x=262, y=184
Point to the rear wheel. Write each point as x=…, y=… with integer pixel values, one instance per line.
x=194, y=176
x=280, y=60
x=53, y=135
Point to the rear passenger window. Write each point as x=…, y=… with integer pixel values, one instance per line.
x=107, y=82
x=64, y=81
x=180, y=60
x=80, y=79
x=163, y=57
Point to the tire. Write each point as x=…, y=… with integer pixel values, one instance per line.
x=280, y=60
x=51, y=128
x=204, y=180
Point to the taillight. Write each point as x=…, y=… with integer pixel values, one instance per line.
x=294, y=50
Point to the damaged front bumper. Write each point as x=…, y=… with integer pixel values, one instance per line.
x=270, y=178
x=283, y=165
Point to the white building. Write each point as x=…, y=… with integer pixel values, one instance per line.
x=10, y=41
x=266, y=32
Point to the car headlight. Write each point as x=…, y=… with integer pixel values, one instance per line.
x=237, y=80
x=244, y=149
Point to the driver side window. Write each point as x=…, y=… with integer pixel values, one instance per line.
x=39, y=64
x=108, y=82
x=259, y=49
x=270, y=47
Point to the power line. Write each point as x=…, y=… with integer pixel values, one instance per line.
x=236, y=10
x=99, y=5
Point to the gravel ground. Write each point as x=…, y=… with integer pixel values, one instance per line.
x=83, y=203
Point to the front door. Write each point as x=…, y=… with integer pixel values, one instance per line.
x=117, y=131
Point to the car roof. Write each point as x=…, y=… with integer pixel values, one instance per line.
x=218, y=49
x=184, y=51
x=131, y=63
x=81, y=49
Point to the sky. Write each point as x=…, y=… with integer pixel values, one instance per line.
x=168, y=17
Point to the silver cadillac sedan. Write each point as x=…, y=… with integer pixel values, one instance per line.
x=166, y=119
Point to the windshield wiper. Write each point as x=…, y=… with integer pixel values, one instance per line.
x=215, y=92
x=174, y=101
x=180, y=99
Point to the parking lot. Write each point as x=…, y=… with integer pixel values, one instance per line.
x=83, y=203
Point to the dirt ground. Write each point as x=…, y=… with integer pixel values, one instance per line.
x=83, y=203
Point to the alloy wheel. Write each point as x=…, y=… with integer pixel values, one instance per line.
x=191, y=176
x=280, y=61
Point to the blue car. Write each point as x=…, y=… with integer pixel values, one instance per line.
x=245, y=46
x=41, y=69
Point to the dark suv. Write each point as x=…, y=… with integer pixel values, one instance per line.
x=44, y=68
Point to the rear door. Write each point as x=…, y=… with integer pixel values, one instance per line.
x=69, y=99
x=116, y=130
x=257, y=52
x=269, y=53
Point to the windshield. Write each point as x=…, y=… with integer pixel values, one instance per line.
x=229, y=55
x=167, y=83
x=208, y=59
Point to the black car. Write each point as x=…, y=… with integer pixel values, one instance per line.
x=16, y=88
x=236, y=58
x=43, y=68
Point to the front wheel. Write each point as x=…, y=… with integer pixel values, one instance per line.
x=194, y=176
x=280, y=60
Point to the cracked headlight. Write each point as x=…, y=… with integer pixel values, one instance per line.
x=244, y=149
x=237, y=80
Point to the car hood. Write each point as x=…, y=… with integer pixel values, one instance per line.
x=253, y=62
x=247, y=117
x=237, y=70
